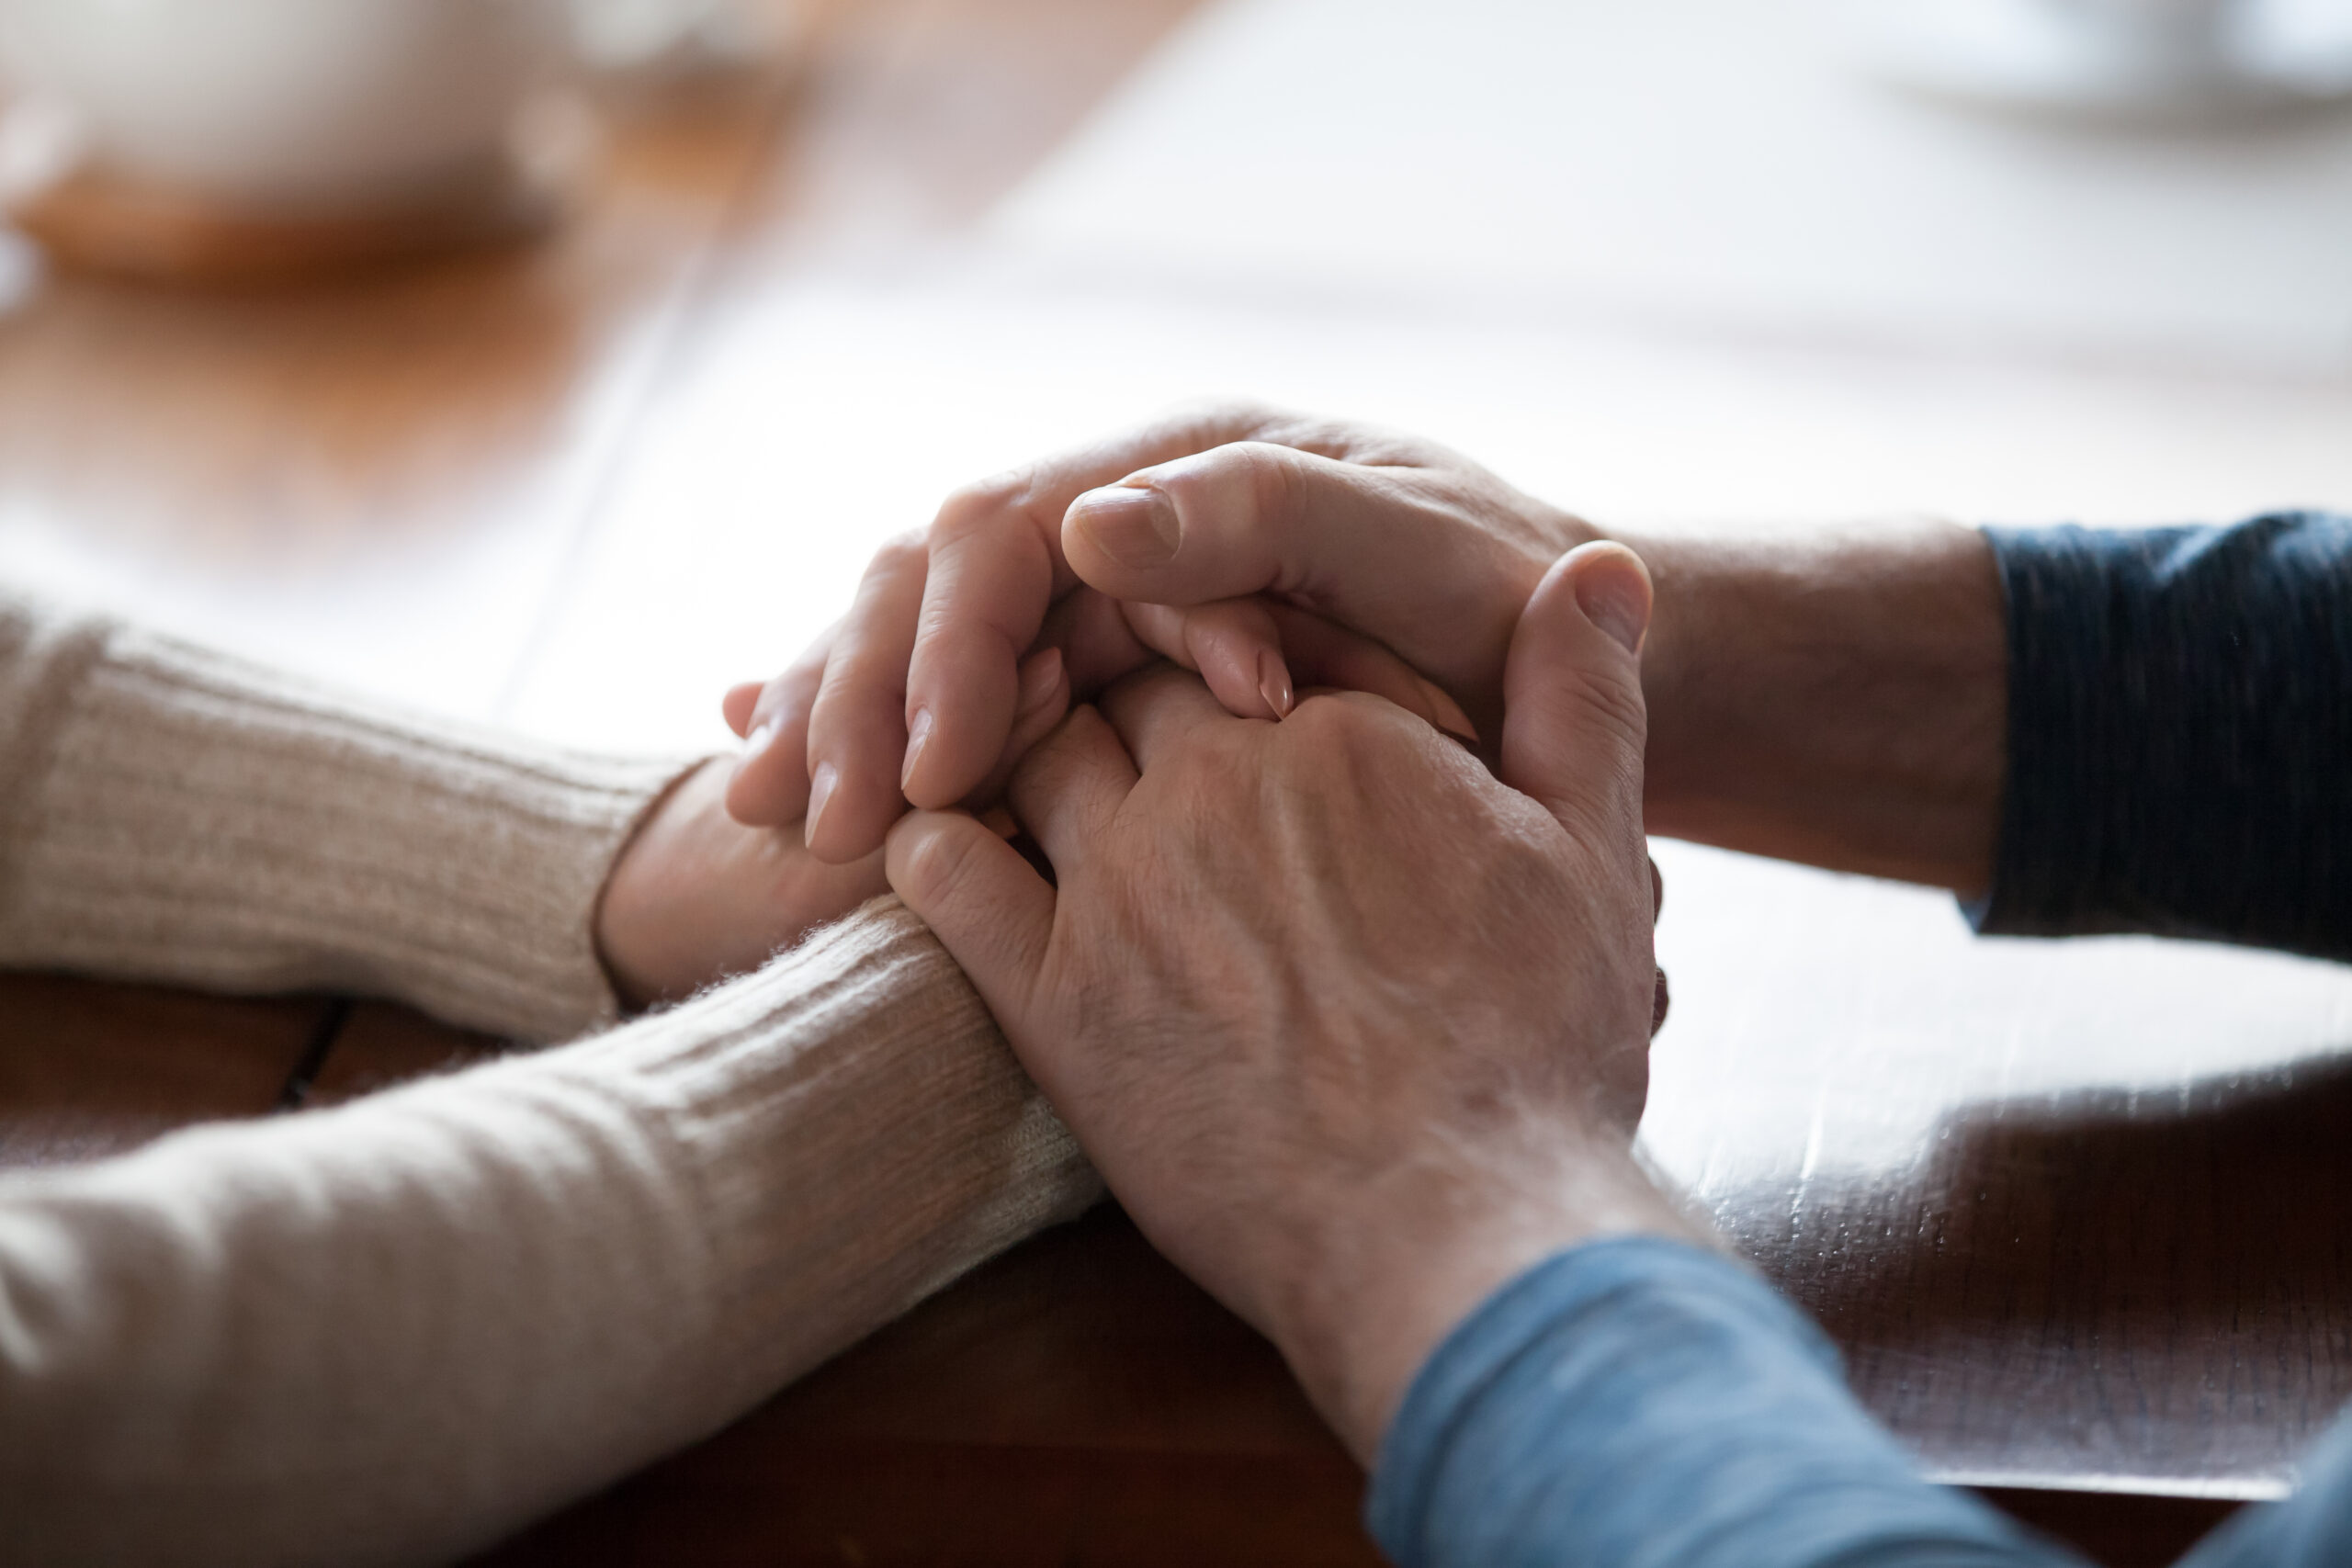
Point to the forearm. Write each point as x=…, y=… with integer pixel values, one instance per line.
x=170, y=813
x=394, y=1331
x=1832, y=696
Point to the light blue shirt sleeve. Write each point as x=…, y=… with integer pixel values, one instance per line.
x=1639, y=1402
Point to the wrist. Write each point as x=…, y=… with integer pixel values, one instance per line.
x=1415, y=1257
x=1833, y=696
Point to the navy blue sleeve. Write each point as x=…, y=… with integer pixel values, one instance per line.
x=2180, y=733
x=1641, y=1403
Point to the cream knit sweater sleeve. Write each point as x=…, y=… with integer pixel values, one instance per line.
x=394, y=1331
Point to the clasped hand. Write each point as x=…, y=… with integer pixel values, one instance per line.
x=1354, y=1022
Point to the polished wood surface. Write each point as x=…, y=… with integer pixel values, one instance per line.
x=89, y=1069
x=1078, y=1401
x=380, y=1044
x=2071, y=1213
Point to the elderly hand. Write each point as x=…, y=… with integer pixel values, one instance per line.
x=1242, y=516
x=1354, y=1031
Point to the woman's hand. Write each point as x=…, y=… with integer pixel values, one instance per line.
x=1206, y=537
x=696, y=896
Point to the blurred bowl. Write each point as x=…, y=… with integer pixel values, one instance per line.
x=265, y=104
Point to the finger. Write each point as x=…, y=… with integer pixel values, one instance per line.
x=1290, y=650
x=737, y=704
x=1160, y=709
x=996, y=565
x=1375, y=548
x=991, y=577
x=1042, y=703
x=1658, y=891
x=1066, y=792
x=857, y=735
x=1233, y=643
x=1574, y=721
x=769, y=788
x=1098, y=647
x=1324, y=653
x=987, y=906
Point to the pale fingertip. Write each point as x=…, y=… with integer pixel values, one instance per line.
x=918, y=728
x=1447, y=715
x=739, y=704
x=1041, y=678
x=822, y=786
x=760, y=740
x=1273, y=685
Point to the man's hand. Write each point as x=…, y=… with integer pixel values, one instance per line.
x=1212, y=531
x=1356, y=1032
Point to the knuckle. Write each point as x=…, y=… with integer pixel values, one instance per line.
x=936, y=867
x=1025, y=494
x=1613, y=705
x=1341, y=725
x=900, y=552
x=1221, y=419
x=1271, y=477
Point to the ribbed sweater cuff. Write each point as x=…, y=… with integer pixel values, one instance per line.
x=859, y=1133
x=183, y=816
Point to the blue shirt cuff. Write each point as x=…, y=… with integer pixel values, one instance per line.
x=1638, y=1402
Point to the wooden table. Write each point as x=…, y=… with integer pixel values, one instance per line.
x=2075, y=1212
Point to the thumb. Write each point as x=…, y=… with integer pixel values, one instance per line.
x=987, y=905
x=1574, y=722
x=1386, y=552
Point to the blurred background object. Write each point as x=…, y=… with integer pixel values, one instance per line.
x=677, y=40
x=2125, y=62
x=262, y=140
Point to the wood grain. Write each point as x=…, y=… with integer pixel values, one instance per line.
x=90, y=1068
x=1075, y=1402
x=384, y=1043
x=2092, y=1290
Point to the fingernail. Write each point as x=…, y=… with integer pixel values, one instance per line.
x=1038, y=680
x=918, y=734
x=761, y=738
x=821, y=795
x=1611, y=599
x=1274, y=684
x=1132, y=524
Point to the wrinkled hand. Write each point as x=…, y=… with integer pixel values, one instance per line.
x=1216, y=530
x=1355, y=1031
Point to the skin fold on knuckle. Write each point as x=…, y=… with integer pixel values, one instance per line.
x=933, y=869
x=1273, y=479
x=901, y=554
x=1606, y=708
x=976, y=505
